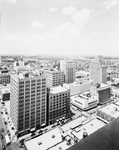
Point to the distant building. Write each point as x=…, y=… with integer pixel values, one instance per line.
x=84, y=101
x=20, y=65
x=102, y=91
x=67, y=66
x=98, y=71
x=54, y=77
x=81, y=74
x=28, y=101
x=78, y=87
x=4, y=75
x=58, y=103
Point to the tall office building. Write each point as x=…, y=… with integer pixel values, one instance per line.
x=58, y=104
x=54, y=77
x=67, y=66
x=98, y=71
x=28, y=101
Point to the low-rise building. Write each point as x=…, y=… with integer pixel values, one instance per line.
x=58, y=138
x=108, y=113
x=5, y=92
x=50, y=140
x=84, y=101
x=115, y=93
x=89, y=128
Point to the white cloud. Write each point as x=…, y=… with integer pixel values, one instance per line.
x=11, y=1
x=66, y=29
x=52, y=9
x=37, y=24
x=69, y=10
x=81, y=17
x=110, y=3
x=78, y=20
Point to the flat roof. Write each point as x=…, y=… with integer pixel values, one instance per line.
x=46, y=140
x=90, y=127
x=82, y=97
x=63, y=145
x=81, y=72
x=111, y=109
x=103, y=86
x=74, y=123
x=5, y=89
x=58, y=89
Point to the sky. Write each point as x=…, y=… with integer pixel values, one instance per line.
x=59, y=27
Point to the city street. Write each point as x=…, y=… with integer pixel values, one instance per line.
x=8, y=122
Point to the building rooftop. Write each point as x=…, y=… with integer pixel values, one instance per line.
x=46, y=140
x=5, y=89
x=103, y=86
x=53, y=70
x=83, y=96
x=58, y=89
x=77, y=83
x=74, y=123
x=81, y=72
x=54, y=137
x=90, y=127
x=105, y=138
x=111, y=109
x=28, y=74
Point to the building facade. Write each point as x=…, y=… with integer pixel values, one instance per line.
x=77, y=87
x=54, y=77
x=4, y=78
x=103, y=94
x=5, y=92
x=84, y=101
x=67, y=66
x=28, y=101
x=108, y=113
x=58, y=104
x=98, y=71
x=102, y=91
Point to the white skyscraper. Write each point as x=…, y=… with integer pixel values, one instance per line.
x=97, y=71
x=67, y=65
